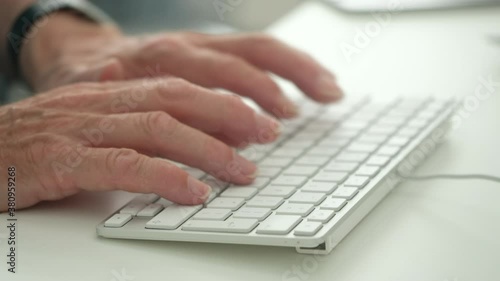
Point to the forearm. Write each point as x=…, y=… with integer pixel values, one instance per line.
x=9, y=11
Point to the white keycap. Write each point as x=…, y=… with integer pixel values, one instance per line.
x=367, y=171
x=195, y=173
x=408, y=132
x=323, y=151
x=345, y=192
x=352, y=157
x=398, y=141
x=278, y=224
x=295, y=209
x=226, y=203
x=295, y=181
x=217, y=185
x=132, y=208
x=229, y=226
x=164, y=202
x=118, y=220
x=317, y=186
x=172, y=217
x=307, y=197
x=330, y=176
x=150, y=210
x=252, y=154
x=335, y=204
x=287, y=152
x=312, y=160
x=278, y=190
x=252, y=213
x=335, y=166
x=379, y=129
x=335, y=142
x=298, y=143
x=269, y=172
x=265, y=202
x=378, y=160
x=212, y=214
x=307, y=228
x=260, y=182
x=357, y=181
x=240, y=192
x=301, y=170
x=280, y=162
x=362, y=147
x=373, y=139
x=146, y=198
x=321, y=215
x=388, y=150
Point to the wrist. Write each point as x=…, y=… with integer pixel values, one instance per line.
x=57, y=37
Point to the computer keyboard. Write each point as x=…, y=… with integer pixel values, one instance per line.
x=328, y=170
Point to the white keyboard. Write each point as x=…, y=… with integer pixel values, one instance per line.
x=327, y=171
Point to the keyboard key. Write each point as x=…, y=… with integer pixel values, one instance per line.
x=287, y=152
x=132, y=208
x=362, y=147
x=265, y=202
x=301, y=170
x=335, y=204
x=367, y=171
x=357, y=181
x=195, y=173
x=307, y=228
x=321, y=215
x=307, y=197
x=317, y=186
x=278, y=224
x=269, y=172
x=146, y=198
x=252, y=213
x=330, y=176
x=280, y=162
x=172, y=217
x=252, y=154
x=260, y=182
x=388, y=150
x=298, y=143
x=295, y=181
x=335, y=142
x=352, y=157
x=295, y=209
x=345, y=192
x=335, y=166
x=379, y=129
x=212, y=214
x=227, y=226
x=372, y=139
x=378, y=161
x=226, y=203
x=216, y=184
x=118, y=220
x=278, y=190
x=240, y=192
x=150, y=211
x=398, y=141
x=408, y=132
x=323, y=151
x=164, y=202
x=312, y=160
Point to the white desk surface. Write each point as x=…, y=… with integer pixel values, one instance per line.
x=430, y=231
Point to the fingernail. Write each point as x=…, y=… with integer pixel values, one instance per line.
x=265, y=124
x=290, y=109
x=328, y=88
x=247, y=168
x=199, y=189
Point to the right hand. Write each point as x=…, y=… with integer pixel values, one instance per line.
x=106, y=136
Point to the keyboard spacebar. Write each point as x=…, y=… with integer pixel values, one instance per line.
x=230, y=225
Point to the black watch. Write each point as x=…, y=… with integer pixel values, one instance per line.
x=39, y=10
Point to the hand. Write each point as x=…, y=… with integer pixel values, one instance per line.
x=105, y=136
x=238, y=63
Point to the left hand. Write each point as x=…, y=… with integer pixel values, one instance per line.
x=69, y=49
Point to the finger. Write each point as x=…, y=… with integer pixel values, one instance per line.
x=270, y=54
x=159, y=134
x=125, y=169
x=214, y=113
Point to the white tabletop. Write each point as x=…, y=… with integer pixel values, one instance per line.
x=432, y=231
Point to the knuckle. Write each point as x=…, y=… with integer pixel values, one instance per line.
x=124, y=161
x=159, y=121
x=177, y=88
x=229, y=62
